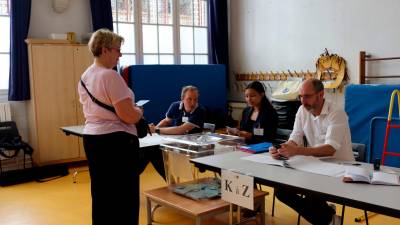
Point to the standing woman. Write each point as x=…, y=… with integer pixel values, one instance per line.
x=259, y=119
x=110, y=138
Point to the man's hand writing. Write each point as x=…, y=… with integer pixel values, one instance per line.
x=288, y=150
x=274, y=153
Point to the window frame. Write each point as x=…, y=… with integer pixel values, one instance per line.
x=5, y=91
x=138, y=24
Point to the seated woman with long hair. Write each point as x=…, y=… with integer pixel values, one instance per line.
x=259, y=119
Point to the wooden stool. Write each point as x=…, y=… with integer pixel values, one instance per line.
x=200, y=209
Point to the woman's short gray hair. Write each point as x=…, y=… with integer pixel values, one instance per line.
x=104, y=38
x=188, y=88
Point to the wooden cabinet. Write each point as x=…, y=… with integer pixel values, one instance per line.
x=55, y=70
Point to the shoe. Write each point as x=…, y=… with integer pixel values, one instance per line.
x=336, y=220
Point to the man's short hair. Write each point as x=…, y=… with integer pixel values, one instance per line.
x=188, y=88
x=317, y=85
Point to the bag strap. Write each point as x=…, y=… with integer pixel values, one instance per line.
x=110, y=108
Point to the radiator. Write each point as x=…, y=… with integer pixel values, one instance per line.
x=5, y=111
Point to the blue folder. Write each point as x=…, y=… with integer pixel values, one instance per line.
x=257, y=148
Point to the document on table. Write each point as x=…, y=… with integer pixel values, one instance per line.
x=358, y=174
x=153, y=140
x=303, y=163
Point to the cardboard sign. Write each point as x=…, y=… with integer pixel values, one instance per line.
x=237, y=189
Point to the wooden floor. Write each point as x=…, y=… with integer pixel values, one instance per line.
x=61, y=202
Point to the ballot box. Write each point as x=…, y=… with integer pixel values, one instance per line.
x=178, y=150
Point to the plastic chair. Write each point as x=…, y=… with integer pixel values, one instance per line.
x=282, y=135
x=359, y=152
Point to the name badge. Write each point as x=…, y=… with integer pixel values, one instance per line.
x=185, y=119
x=258, y=131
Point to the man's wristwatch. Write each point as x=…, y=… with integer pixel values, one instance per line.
x=157, y=130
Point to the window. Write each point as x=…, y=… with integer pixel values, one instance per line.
x=124, y=24
x=193, y=31
x=4, y=43
x=162, y=31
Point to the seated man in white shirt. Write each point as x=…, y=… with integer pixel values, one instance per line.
x=327, y=132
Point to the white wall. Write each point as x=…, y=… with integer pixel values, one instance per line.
x=291, y=34
x=44, y=21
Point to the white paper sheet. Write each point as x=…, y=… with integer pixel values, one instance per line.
x=303, y=163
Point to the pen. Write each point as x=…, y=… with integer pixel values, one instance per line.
x=148, y=130
x=351, y=164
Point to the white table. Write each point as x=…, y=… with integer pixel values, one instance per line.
x=148, y=141
x=376, y=198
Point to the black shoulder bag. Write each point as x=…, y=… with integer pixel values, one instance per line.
x=142, y=126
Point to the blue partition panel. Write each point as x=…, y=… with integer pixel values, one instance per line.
x=378, y=131
x=364, y=102
x=162, y=85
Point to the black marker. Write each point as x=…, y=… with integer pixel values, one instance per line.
x=277, y=146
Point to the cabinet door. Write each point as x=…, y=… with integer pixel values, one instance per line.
x=55, y=101
x=82, y=60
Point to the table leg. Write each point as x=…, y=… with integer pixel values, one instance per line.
x=198, y=220
x=148, y=207
x=238, y=209
x=230, y=214
x=262, y=213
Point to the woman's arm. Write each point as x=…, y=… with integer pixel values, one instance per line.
x=182, y=129
x=127, y=112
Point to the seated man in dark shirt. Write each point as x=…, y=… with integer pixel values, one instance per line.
x=185, y=116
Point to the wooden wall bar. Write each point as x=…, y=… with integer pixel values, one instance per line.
x=366, y=58
x=271, y=76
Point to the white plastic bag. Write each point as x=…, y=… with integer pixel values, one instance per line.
x=287, y=90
